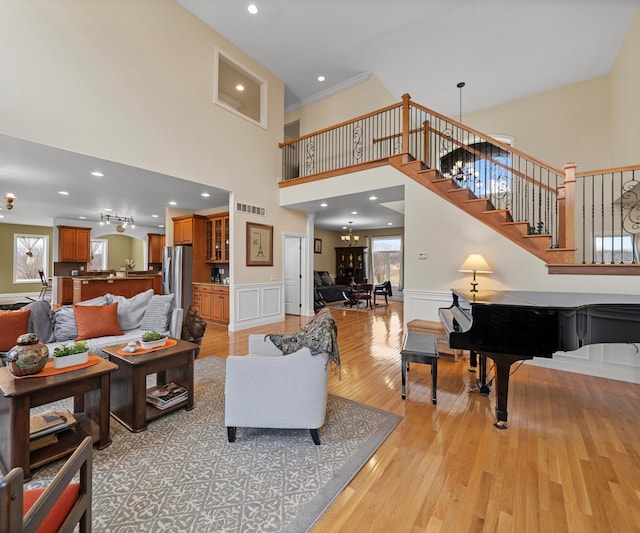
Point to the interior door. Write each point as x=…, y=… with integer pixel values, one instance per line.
x=292, y=275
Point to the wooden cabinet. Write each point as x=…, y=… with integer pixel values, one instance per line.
x=87, y=288
x=188, y=229
x=156, y=243
x=64, y=290
x=212, y=302
x=351, y=263
x=74, y=244
x=217, y=238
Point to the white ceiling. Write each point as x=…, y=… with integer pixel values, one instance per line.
x=502, y=49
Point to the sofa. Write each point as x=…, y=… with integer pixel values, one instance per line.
x=102, y=321
x=326, y=289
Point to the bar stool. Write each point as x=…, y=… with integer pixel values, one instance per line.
x=420, y=348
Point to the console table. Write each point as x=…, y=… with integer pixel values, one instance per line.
x=89, y=388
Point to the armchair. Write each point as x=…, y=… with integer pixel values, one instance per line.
x=267, y=389
x=59, y=507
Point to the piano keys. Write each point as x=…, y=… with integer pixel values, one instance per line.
x=511, y=326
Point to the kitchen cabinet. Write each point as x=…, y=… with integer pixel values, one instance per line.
x=156, y=244
x=74, y=244
x=188, y=229
x=217, y=238
x=212, y=302
x=64, y=290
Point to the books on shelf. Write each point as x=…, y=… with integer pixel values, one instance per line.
x=50, y=422
x=41, y=442
x=164, y=396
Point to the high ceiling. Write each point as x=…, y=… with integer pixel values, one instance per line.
x=502, y=49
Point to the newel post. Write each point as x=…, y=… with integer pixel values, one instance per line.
x=567, y=208
x=406, y=99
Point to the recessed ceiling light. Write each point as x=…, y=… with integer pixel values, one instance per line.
x=1, y=216
x=82, y=218
x=173, y=203
x=63, y=193
x=324, y=204
x=240, y=87
x=354, y=212
x=97, y=174
x=389, y=223
x=321, y=78
x=373, y=197
x=205, y=195
x=108, y=209
x=344, y=227
x=161, y=225
x=155, y=216
x=253, y=9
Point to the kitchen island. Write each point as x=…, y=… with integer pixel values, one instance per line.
x=87, y=287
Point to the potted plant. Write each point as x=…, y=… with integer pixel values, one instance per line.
x=152, y=339
x=64, y=356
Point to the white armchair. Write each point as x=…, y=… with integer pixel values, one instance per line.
x=267, y=389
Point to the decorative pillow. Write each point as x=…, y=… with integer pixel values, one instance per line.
x=156, y=317
x=317, y=280
x=326, y=279
x=131, y=310
x=97, y=321
x=12, y=325
x=64, y=319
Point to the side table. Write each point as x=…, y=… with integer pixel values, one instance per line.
x=129, y=382
x=420, y=348
x=90, y=390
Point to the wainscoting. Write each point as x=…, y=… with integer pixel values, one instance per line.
x=612, y=361
x=256, y=304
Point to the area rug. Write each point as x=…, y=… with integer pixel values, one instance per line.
x=182, y=475
x=360, y=308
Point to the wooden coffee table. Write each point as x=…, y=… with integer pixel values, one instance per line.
x=90, y=390
x=129, y=381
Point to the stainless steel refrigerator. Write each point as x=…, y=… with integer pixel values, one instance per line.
x=177, y=268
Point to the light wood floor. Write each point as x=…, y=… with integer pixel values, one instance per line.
x=570, y=460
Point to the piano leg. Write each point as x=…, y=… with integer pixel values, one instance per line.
x=473, y=360
x=484, y=388
x=503, y=364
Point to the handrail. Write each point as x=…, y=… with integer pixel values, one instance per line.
x=608, y=170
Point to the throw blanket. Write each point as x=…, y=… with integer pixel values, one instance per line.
x=320, y=335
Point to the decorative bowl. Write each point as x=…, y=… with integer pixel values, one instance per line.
x=147, y=345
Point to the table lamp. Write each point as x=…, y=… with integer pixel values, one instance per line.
x=475, y=263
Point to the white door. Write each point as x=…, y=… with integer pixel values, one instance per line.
x=292, y=275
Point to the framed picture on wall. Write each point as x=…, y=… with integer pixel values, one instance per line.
x=317, y=246
x=259, y=244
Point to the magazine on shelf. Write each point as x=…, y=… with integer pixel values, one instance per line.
x=165, y=405
x=166, y=393
x=50, y=422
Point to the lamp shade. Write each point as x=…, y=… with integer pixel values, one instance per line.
x=475, y=263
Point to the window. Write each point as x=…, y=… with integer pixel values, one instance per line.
x=30, y=254
x=99, y=250
x=387, y=259
x=614, y=249
x=239, y=90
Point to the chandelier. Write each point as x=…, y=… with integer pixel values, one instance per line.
x=350, y=238
x=122, y=222
x=8, y=199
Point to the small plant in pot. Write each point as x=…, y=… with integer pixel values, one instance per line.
x=152, y=339
x=76, y=354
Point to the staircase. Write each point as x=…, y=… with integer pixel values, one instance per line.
x=576, y=223
x=481, y=208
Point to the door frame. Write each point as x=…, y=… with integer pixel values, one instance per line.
x=306, y=300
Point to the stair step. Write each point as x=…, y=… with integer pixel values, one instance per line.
x=501, y=214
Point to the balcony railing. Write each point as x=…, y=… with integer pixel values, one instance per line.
x=597, y=213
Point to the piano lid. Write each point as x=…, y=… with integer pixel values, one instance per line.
x=544, y=299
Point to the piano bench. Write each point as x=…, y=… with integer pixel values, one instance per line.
x=436, y=329
x=420, y=348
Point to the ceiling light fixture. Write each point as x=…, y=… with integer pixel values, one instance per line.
x=173, y=203
x=63, y=193
x=321, y=78
x=122, y=222
x=324, y=204
x=239, y=87
x=205, y=195
x=373, y=197
x=253, y=9
x=9, y=198
x=350, y=238
x=97, y=174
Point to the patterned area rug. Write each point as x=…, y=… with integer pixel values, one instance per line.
x=182, y=475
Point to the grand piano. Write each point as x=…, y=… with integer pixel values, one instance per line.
x=510, y=326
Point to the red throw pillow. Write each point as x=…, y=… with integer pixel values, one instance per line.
x=60, y=510
x=12, y=325
x=97, y=321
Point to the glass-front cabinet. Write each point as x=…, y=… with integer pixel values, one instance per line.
x=217, y=235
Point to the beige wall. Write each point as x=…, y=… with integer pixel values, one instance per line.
x=132, y=81
x=122, y=247
x=7, y=232
x=327, y=259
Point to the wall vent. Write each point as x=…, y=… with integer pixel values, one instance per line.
x=252, y=209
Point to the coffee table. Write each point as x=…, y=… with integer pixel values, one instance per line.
x=129, y=381
x=89, y=388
